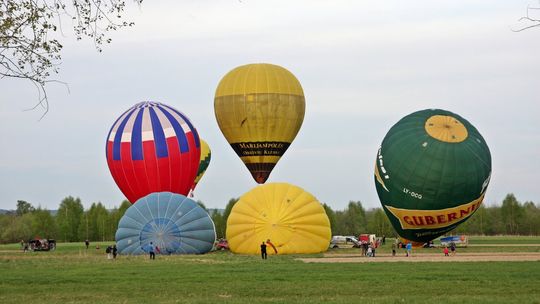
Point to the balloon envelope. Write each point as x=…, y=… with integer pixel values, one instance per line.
x=291, y=218
x=172, y=222
x=204, y=162
x=431, y=173
x=153, y=147
x=259, y=109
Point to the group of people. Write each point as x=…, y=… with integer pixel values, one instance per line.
x=368, y=249
x=111, y=252
x=452, y=249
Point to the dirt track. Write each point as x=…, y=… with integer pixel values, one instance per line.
x=428, y=257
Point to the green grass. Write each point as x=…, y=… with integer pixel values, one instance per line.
x=72, y=275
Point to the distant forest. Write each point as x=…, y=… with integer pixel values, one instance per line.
x=71, y=223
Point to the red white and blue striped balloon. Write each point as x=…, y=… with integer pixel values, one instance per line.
x=153, y=147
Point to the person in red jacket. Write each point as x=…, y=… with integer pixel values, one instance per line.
x=445, y=250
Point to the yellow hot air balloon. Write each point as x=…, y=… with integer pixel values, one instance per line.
x=203, y=163
x=259, y=108
x=287, y=218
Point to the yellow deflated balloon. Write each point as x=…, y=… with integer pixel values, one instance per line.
x=259, y=108
x=285, y=217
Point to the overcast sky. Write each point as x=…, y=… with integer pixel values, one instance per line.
x=363, y=65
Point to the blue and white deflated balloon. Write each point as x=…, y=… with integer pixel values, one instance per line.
x=172, y=222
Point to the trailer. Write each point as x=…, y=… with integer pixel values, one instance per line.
x=42, y=244
x=457, y=240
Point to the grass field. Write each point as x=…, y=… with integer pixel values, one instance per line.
x=72, y=275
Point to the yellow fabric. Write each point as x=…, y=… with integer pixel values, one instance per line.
x=446, y=128
x=268, y=117
x=431, y=219
x=293, y=220
x=378, y=177
x=259, y=78
x=205, y=155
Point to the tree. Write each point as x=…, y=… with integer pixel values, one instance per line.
x=43, y=224
x=331, y=217
x=16, y=228
x=378, y=223
x=201, y=204
x=228, y=209
x=353, y=219
x=29, y=48
x=96, y=224
x=531, y=18
x=69, y=217
x=531, y=221
x=23, y=207
x=116, y=214
x=512, y=214
x=219, y=224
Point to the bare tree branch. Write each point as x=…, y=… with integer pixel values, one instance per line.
x=530, y=20
x=28, y=47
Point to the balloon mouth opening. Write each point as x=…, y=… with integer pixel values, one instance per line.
x=260, y=171
x=261, y=177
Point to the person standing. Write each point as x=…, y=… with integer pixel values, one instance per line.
x=445, y=250
x=453, y=248
x=87, y=243
x=264, y=255
x=114, y=251
x=394, y=249
x=108, y=250
x=151, y=251
x=409, y=249
x=364, y=249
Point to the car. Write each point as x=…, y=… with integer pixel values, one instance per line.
x=222, y=244
x=344, y=241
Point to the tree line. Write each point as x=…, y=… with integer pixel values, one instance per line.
x=511, y=217
x=72, y=223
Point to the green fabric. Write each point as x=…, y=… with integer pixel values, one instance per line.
x=445, y=174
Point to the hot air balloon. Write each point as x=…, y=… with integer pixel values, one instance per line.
x=285, y=217
x=153, y=147
x=204, y=161
x=259, y=108
x=172, y=222
x=431, y=173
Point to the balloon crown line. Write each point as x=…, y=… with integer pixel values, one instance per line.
x=147, y=104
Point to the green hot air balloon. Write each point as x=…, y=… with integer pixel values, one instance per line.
x=431, y=173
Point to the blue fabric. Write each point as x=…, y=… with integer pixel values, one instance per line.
x=136, y=137
x=180, y=135
x=159, y=135
x=174, y=224
x=118, y=136
x=191, y=127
